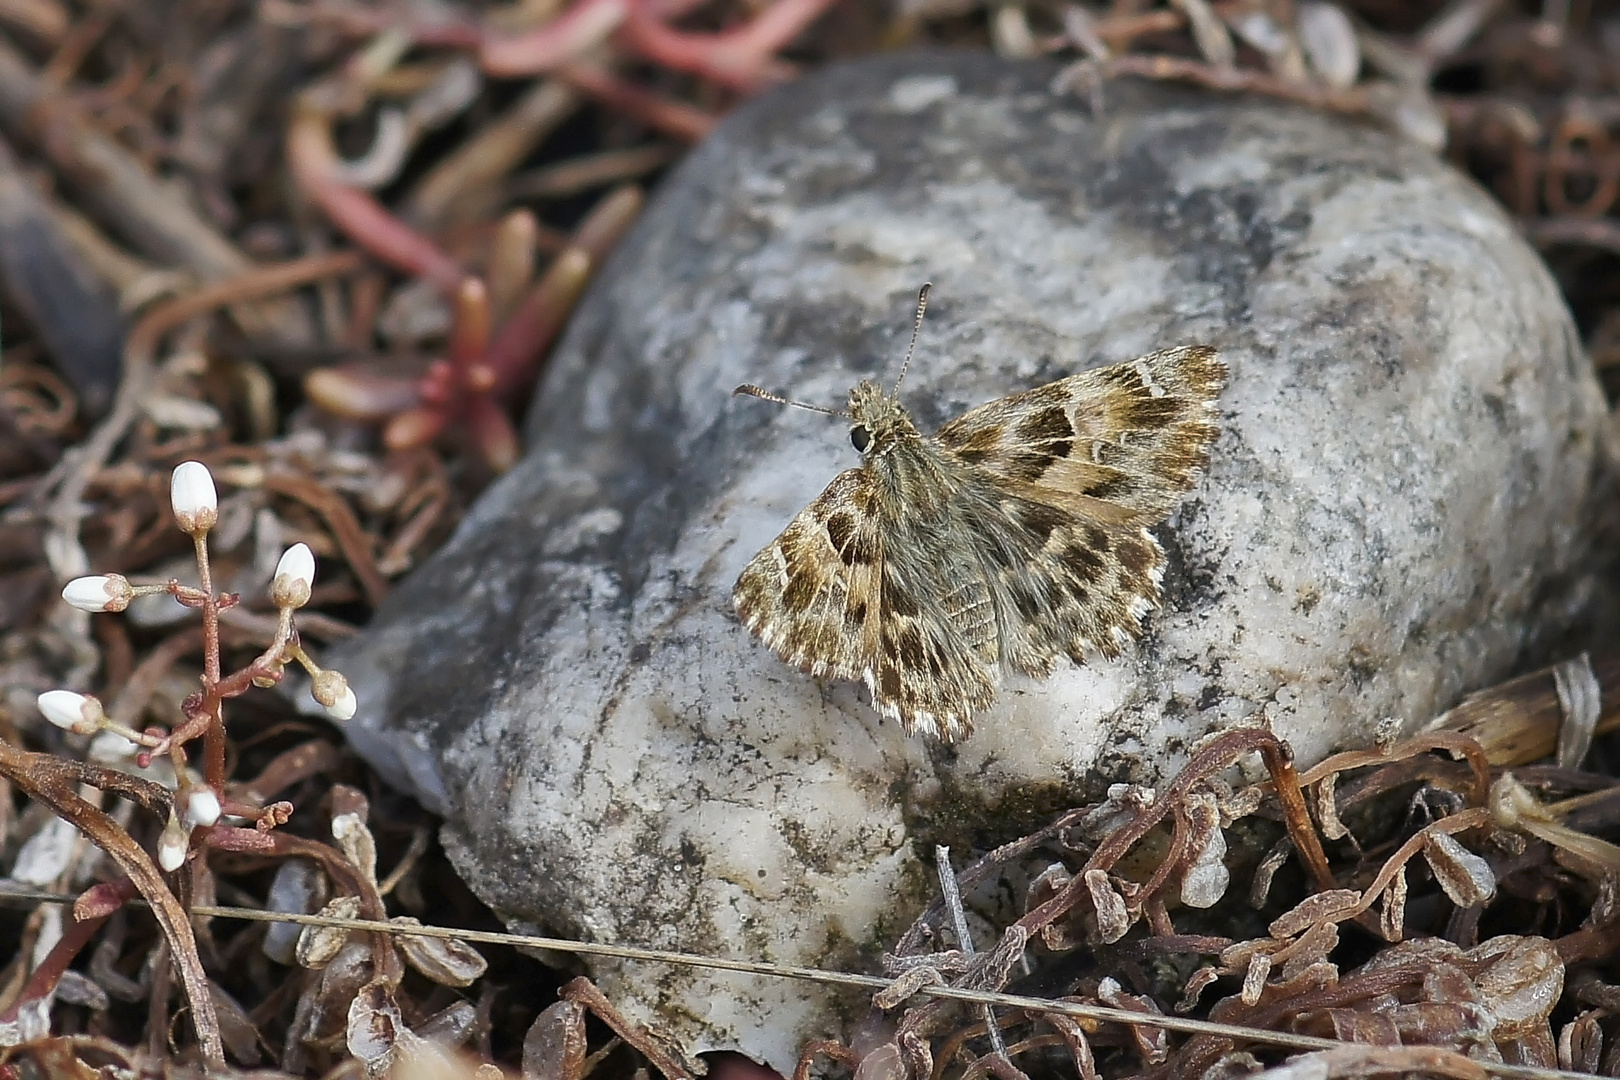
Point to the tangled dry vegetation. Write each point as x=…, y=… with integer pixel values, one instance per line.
x=314, y=252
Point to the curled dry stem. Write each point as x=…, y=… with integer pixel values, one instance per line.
x=348, y=879
x=1453, y=742
x=824, y=1047
x=660, y=1057
x=742, y=58
x=1215, y=756
x=355, y=213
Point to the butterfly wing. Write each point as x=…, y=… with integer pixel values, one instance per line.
x=1119, y=444
x=938, y=660
x=1067, y=476
x=848, y=592
x=811, y=594
x=1064, y=583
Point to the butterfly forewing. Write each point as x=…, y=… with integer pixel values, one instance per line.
x=1134, y=434
x=811, y=594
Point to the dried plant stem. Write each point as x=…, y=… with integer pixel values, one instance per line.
x=343, y=873
x=71, y=476
x=1180, y=69
x=585, y=993
x=1517, y=721
x=346, y=528
x=587, y=171
x=356, y=213
x=685, y=122
x=964, y=939
x=151, y=214
x=1455, y=742
x=49, y=780
x=466, y=186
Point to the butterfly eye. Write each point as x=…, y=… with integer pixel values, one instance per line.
x=860, y=437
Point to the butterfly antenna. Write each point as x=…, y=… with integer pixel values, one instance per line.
x=916, y=328
x=755, y=391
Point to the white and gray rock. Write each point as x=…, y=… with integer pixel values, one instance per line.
x=1398, y=509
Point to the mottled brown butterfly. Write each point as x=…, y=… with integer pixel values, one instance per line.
x=1015, y=535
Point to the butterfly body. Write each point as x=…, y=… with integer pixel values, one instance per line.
x=1015, y=535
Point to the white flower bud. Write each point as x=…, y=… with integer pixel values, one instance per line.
x=331, y=690
x=171, y=848
x=191, y=493
x=100, y=592
x=295, y=574
x=78, y=713
x=202, y=806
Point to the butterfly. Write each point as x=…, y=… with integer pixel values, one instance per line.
x=1016, y=534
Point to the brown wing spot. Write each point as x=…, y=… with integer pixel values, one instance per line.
x=1039, y=519
x=855, y=614
x=852, y=545
x=840, y=527
x=896, y=601
x=1116, y=487
x=1097, y=540
x=803, y=576
x=1138, y=557
x=889, y=682
x=908, y=646
x=980, y=444
x=1151, y=412
x=1048, y=426
x=1123, y=376
x=801, y=590
x=1086, y=565
x=1028, y=465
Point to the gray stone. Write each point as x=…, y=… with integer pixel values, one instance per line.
x=1397, y=510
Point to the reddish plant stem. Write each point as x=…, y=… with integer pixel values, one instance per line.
x=214, y=735
x=496, y=439
x=582, y=27
x=291, y=767
x=74, y=938
x=742, y=58
x=676, y=118
x=356, y=214
x=204, y=706
x=542, y=313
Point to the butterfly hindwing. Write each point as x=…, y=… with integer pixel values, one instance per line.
x=939, y=660
x=1065, y=584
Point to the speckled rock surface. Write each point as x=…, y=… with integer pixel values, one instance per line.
x=1396, y=511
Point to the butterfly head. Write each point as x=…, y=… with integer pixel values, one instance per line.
x=877, y=419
